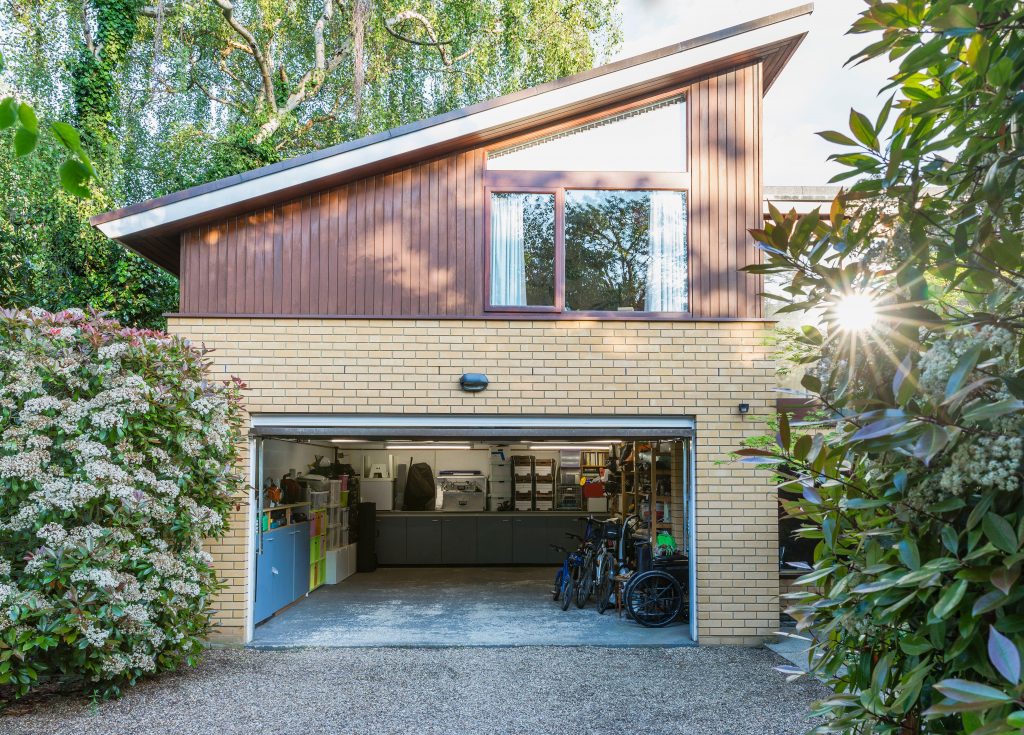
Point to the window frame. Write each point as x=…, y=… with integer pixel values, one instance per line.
x=557, y=183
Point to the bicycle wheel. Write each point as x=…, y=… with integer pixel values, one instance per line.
x=653, y=598
x=557, y=591
x=567, y=590
x=585, y=582
x=605, y=585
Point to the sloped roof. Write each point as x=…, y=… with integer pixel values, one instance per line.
x=151, y=228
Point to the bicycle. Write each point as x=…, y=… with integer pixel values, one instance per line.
x=565, y=577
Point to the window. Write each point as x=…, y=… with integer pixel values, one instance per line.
x=647, y=138
x=522, y=249
x=619, y=251
x=625, y=251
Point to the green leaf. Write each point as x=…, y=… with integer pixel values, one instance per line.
x=999, y=531
x=28, y=118
x=914, y=645
x=73, y=175
x=838, y=138
x=883, y=427
x=1004, y=656
x=907, y=551
x=68, y=136
x=24, y=141
x=863, y=130
x=1016, y=719
x=949, y=600
x=959, y=16
x=967, y=362
x=984, y=410
x=8, y=113
x=960, y=690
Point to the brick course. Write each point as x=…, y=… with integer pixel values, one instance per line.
x=701, y=369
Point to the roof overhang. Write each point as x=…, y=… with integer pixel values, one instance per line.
x=151, y=228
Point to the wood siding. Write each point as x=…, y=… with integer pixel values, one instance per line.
x=410, y=242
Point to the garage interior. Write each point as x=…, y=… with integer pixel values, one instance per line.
x=458, y=546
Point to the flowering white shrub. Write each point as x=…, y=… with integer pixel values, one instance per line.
x=116, y=461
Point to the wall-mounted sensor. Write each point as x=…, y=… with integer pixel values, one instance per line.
x=473, y=382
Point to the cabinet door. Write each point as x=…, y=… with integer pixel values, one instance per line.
x=530, y=540
x=423, y=541
x=268, y=573
x=390, y=540
x=494, y=541
x=284, y=580
x=554, y=533
x=459, y=541
x=300, y=563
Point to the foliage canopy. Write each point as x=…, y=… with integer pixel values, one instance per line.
x=914, y=490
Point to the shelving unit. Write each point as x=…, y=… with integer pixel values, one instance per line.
x=317, y=548
x=287, y=508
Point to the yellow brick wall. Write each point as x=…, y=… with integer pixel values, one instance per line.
x=702, y=369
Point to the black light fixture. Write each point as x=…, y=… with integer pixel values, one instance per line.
x=473, y=382
x=744, y=408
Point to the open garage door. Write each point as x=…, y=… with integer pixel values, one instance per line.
x=467, y=513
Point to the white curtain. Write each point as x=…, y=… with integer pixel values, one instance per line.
x=508, y=255
x=666, y=266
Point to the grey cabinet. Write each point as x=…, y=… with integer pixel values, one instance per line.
x=530, y=538
x=459, y=540
x=422, y=540
x=494, y=541
x=391, y=540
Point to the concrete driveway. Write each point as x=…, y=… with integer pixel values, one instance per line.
x=450, y=691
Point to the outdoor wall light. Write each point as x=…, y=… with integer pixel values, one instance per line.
x=744, y=408
x=473, y=382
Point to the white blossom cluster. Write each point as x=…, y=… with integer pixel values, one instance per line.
x=115, y=464
x=987, y=459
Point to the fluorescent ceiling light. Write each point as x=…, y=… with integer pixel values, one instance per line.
x=581, y=447
x=429, y=446
x=348, y=441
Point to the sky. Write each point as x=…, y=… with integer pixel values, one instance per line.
x=815, y=91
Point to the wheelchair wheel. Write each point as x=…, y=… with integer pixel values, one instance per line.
x=653, y=598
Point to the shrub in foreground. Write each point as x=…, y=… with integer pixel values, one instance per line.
x=116, y=461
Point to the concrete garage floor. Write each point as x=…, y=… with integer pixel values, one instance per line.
x=452, y=606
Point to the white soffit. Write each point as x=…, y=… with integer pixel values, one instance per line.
x=472, y=124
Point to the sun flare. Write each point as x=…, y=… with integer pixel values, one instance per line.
x=855, y=312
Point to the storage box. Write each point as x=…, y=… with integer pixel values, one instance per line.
x=524, y=504
x=597, y=505
x=341, y=563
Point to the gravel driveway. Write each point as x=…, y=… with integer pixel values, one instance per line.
x=456, y=691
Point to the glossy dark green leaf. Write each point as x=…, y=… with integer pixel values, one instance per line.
x=984, y=410
x=967, y=362
x=949, y=599
x=1004, y=656
x=838, y=138
x=999, y=531
x=961, y=690
x=908, y=553
x=1003, y=579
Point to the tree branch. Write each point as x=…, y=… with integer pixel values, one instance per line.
x=268, y=82
x=428, y=27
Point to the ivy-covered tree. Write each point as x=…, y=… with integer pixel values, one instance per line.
x=173, y=93
x=914, y=490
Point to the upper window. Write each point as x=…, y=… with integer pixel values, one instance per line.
x=625, y=251
x=522, y=249
x=648, y=138
x=619, y=250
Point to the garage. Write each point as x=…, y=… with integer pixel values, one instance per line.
x=428, y=530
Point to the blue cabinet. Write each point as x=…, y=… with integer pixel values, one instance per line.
x=282, y=569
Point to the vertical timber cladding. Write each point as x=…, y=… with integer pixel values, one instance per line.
x=410, y=242
x=555, y=368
